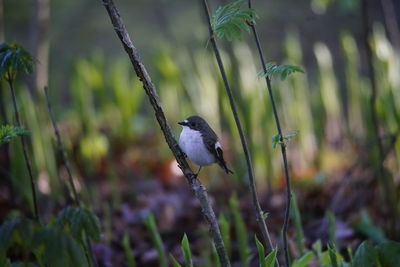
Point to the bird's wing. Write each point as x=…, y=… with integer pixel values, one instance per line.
x=214, y=147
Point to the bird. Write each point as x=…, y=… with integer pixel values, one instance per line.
x=200, y=143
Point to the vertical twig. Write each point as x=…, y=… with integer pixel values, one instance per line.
x=252, y=187
x=87, y=247
x=283, y=146
x=62, y=149
x=392, y=26
x=151, y=92
x=374, y=113
x=25, y=152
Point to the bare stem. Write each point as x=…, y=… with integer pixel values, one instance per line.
x=151, y=92
x=388, y=196
x=25, y=152
x=283, y=146
x=252, y=186
x=62, y=149
x=87, y=247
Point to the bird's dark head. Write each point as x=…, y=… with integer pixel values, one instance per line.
x=194, y=122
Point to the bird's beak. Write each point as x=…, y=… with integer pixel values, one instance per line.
x=182, y=123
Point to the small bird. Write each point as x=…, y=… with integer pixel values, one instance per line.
x=200, y=143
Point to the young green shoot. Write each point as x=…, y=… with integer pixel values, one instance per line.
x=9, y=132
x=272, y=69
x=150, y=223
x=230, y=20
x=282, y=141
x=187, y=254
x=13, y=60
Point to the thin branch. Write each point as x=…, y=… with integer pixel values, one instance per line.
x=388, y=196
x=87, y=247
x=252, y=186
x=62, y=149
x=283, y=146
x=392, y=26
x=150, y=90
x=25, y=152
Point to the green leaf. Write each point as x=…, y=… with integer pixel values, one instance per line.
x=365, y=226
x=241, y=231
x=304, y=260
x=174, y=262
x=130, y=259
x=270, y=259
x=150, y=223
x=14, y=59
x=228, y=21
x=4, y=261
x=389, y=253
x=272, y=69
x=225, y=232
x=260, y=249
x=332, y=255
x=6, y=231
x=331, y=227
x=58, y=248
x=365, y=256
x=9, y=132
x=16, y=232
x=185, y=247
x=277, y=140
x=79, y=221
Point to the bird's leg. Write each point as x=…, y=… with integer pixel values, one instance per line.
x=197, y=174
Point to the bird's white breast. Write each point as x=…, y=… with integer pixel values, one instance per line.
x=191, y=142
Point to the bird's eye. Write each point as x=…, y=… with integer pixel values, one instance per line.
x=192, y=124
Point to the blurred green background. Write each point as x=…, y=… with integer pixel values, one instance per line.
x=110, y=131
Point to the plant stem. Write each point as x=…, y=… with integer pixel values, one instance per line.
x=25, y=152
x=388, y=192
x=252, y=186
x=151, y=92
x=62, y=149
x=87, y=247
x=283, y=146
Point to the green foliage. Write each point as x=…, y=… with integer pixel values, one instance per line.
x=270, y=259
x=365, y=256
x=130, y=259
x=17, y=232
x=272, y=69
x=174, y=262
x=9, y=132
x=365, y=226
x=385, y=254
x=14, y=59
x=295, y=214
x=225, y=229
x=278, y=140
x=50, y=244
x=304, y=260
x=333, y=255
x=79, y=221
x=389, y=253
x=241, y=232
x=260, y=249
x=229, y=20
x=185, y=247
x=331, y=227
x=265, y=261
x=150, y=223
x=215, y=257
x=58, y=248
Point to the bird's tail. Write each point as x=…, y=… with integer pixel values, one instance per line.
x=226, y=169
